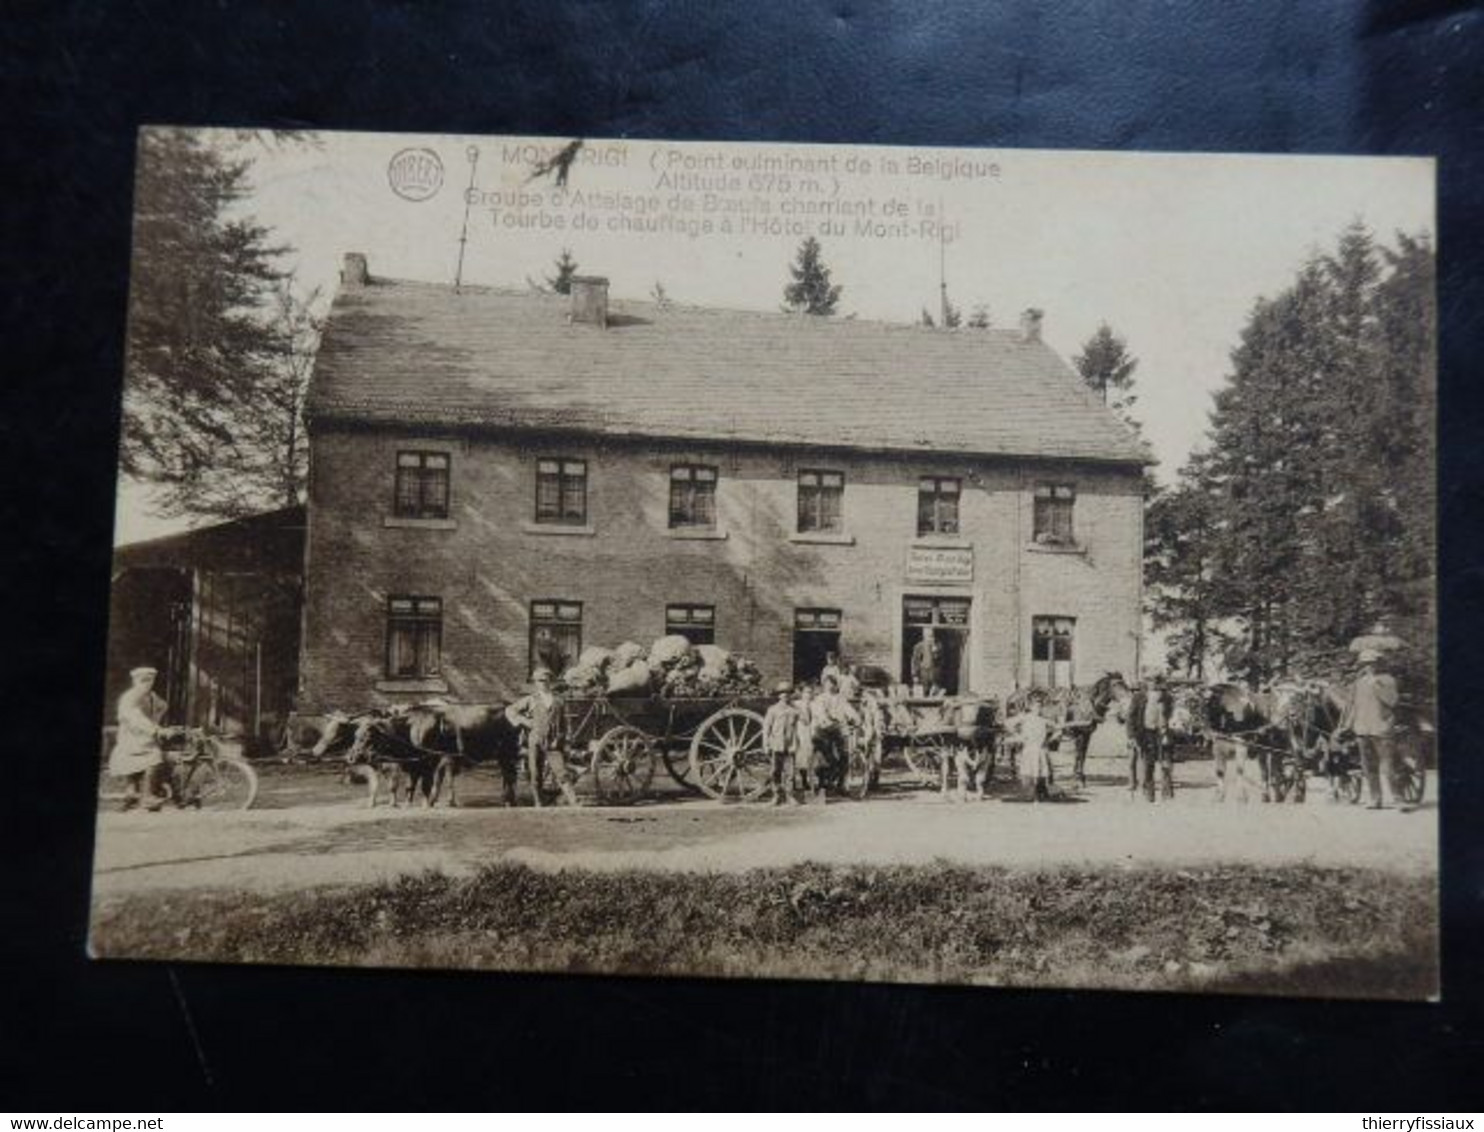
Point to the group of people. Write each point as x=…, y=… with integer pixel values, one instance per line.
x=807, y=735
x=1152, y=716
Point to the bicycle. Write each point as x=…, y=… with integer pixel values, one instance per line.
x=204, y=771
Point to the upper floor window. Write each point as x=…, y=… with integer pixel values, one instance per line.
x=422, y=485
x=937, y=505
x=692, y=495
x=696, y=623
x=561, y=491
x=1053, y=520
x=821, y=499
x=414, y=636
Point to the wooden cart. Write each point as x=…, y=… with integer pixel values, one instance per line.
x=709, y=744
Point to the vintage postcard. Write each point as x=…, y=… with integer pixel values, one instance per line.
x=807, y=561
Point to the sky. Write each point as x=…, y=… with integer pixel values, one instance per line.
x=1171, y=250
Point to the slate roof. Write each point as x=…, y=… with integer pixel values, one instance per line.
x=422, y=354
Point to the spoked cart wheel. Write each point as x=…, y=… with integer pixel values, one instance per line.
x=218, y=783
x=1409, y=772
x=727, y=759
x=623, y=766
x=861, y=770
x=677, y=766
x=929, y=754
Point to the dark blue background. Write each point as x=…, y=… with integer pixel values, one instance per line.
x=1393, y=78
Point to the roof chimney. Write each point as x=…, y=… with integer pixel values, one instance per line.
x=590, y=299
x=1030, y=324
x=353, y=271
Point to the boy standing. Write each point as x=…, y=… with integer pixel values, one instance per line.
x=803, y=749
x=1036, y=734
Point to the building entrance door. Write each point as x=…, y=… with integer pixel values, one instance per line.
x=816, y=636
x=947, y=618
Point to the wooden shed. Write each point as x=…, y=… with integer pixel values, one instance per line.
x=217, y=611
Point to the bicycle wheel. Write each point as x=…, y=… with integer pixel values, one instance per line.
x=221, y=783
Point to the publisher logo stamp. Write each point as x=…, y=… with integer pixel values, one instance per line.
x=415, y=174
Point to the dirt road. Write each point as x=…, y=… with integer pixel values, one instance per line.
x=314, y=842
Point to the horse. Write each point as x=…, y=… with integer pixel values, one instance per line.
x=1109, y=696
x=974, y=721
x=1240, y=721
x=1311, y=714
x=473, y=733
x=1078, y=719
x=1110, y=693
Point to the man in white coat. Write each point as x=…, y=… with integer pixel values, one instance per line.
x=137, y=754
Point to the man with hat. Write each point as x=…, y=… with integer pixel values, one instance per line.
x=834, y=720
x=137, y=755
x=543, y=716
x=1148, y=727
x=927, y=665
x=1371, y=716
x=780, y=736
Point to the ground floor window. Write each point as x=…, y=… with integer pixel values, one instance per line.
x=816, y=636
x=1051, y=651
x=414, y=636
x=696, y=623
x=556, y=635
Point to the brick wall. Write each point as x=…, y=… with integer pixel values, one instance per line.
x=490, y=560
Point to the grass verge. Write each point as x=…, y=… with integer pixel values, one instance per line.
x=1301, y=930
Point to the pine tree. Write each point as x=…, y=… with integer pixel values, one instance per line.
x=810, y=292
x=1319, y=472
x=203, y=339
x=1265, y=436
x=1108, y=368
x=566, y=267
x=1181, y=527
x=1403, y=433
x=267, y=462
